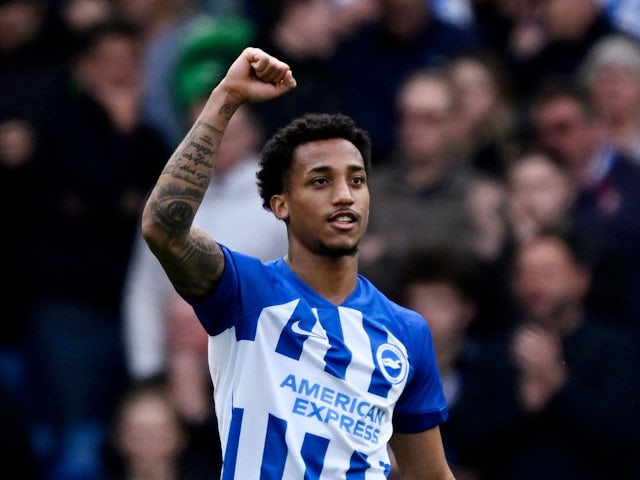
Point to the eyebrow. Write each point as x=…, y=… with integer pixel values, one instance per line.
x=325, y=168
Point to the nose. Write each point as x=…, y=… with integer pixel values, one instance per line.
x=342, y=193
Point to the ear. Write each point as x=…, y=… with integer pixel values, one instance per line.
x=279, y=207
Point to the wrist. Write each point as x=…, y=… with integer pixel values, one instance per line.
x=220, y=107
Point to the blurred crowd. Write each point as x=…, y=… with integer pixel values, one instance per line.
x=505, y=209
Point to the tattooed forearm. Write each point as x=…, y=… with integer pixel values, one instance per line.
x=173, y=208
x=192, y=161
x=193, y=260
x=227, y=110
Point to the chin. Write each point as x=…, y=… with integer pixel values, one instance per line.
x=336, y=251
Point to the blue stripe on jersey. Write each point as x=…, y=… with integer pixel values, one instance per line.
x=274, y=455
x=233, y=440
x=338, y=357
x=291, y=342
x=358, y=466
x=314, y=449
x=379, y=384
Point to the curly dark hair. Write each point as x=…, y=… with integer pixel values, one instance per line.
x=277, y=154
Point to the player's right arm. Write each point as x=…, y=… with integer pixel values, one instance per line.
x=192, y=259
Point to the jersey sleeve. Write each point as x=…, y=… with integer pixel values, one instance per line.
x=422, y=404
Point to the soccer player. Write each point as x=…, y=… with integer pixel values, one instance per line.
x=315, y=372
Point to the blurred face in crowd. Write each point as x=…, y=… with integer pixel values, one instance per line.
x=548, y=282
x=113, y=64
x=476, y=91
x=425, y=109
x=563, y=126
x=20, y=22
x=404, y=18
x=317, y=28
x=148, y=432
x=539, y=192
x=567, y=19
x=615, y=90
x=446, y=310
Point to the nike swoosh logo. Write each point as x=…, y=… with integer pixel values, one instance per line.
x=296, y=328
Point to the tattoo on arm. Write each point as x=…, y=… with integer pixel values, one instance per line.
x=198, y=267
x=227, y=110
x=192, y=162
x=193, y=260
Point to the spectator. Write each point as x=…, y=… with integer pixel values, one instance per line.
x=32, y=71
x=206, y=48
x=81, y=245
x=375, y=59
x=485, y=207
x=540, y=402
x=611, y=73
x=149, y=440
x=606, y=215
x=304, y=34
x=486, y=116
x=32, y=68
x=72, y=20
x=420, y=196
x=539, y=40
x=164, y=26
x=540, y=194
x=441, y=284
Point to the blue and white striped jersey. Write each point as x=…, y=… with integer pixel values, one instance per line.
x=305, y=389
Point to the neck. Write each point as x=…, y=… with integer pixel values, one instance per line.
x=334, y=279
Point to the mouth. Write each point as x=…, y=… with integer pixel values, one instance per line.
x=344, y=219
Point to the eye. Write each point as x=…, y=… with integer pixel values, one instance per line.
x=319, y=181
x=358, y=180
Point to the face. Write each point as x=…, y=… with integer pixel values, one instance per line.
x=539, y=190
x=113, y=64
x=404, y=18
x=318, y=28
x=616, y=92
x=149, y=432
x=447, y=312
x=19, y=23
x=476, y=91
x=326, y=198
x=547, y=281
x=425, y=118
x=562, y=125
